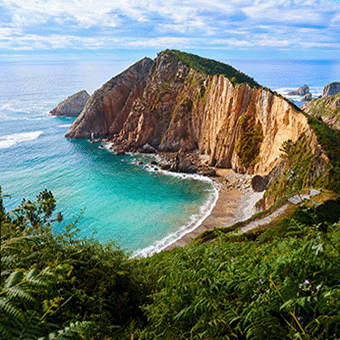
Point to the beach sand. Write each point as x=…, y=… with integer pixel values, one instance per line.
x=232, y=205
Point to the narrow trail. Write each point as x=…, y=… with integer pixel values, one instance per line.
x=263, y=221
x=297, y=199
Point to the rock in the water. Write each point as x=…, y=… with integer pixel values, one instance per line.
x=71, y=106
x=307, y=97
x=147, y=148
x=259, y=183
x=301, y=91
x=331, y=89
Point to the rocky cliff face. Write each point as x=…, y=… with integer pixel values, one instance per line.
x=71, y=106
x=173, y=106
x=108, y=108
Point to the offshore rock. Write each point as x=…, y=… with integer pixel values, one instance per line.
x=71, y=106
x=331, y=89
x=307, y=97
x=301, y=91
x=173, y=106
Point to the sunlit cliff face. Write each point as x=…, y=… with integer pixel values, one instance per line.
x=171, y=106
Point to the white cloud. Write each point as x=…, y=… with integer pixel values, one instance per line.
x=97, y=24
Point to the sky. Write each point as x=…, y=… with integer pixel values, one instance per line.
x=132, y=29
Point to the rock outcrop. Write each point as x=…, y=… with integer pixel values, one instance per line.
x=301, y=91
x=327, y=108
x=71, y=106
x=331, y=89
x=107, y=110
x=307, y=97
x=179, y=102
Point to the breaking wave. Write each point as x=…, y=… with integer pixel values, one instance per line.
x=10, y=140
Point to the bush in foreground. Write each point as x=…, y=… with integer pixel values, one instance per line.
x=277, y=286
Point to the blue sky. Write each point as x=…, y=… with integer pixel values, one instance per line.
x=131, y=29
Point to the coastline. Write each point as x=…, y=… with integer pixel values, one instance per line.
x=232, y=200
x=234, y=203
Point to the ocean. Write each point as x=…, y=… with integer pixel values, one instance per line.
x=113, y=197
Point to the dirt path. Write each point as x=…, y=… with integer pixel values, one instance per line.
x=263, y=221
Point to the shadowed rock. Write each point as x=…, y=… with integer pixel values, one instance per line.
x=71, y=106
x=259, y=183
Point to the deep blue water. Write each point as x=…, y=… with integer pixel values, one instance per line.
x=117, y=198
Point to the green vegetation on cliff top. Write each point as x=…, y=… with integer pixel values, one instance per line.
x=211, y=67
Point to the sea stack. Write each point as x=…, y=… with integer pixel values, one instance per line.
x=71, y=106
x=301, y=91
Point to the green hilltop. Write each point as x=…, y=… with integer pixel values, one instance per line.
x=211, y=67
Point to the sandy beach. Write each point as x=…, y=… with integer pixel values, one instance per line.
x=232, y=205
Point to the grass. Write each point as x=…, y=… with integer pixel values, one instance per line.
x=211, y=67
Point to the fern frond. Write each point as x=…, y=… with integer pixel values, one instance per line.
x=5, y=333
x=19, y=292
x=13, y=279
x=69, y=332
x=11, y=310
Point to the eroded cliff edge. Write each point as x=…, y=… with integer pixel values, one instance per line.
x=183, y=102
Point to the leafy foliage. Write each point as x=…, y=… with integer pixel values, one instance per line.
x=284, y=289
x=57, y=286
x=276, y=285
x=329, y=139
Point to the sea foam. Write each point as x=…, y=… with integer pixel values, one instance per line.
x=194, y=222
x=10, y=140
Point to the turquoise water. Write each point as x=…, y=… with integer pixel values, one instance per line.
x=120, y=200
x=116, y=198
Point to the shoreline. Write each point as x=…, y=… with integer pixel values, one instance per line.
x=234, y=200
x=232, y=205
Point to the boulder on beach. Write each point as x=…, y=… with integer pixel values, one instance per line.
x=259, y=183
x=147, y=148
x=71, y=106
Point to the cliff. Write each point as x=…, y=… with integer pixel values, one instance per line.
x=71, y=106
x=108, y=108
x=183, y=102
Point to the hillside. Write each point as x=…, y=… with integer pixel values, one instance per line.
x=281, y=282
x=211, y=67
x=327, y=108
